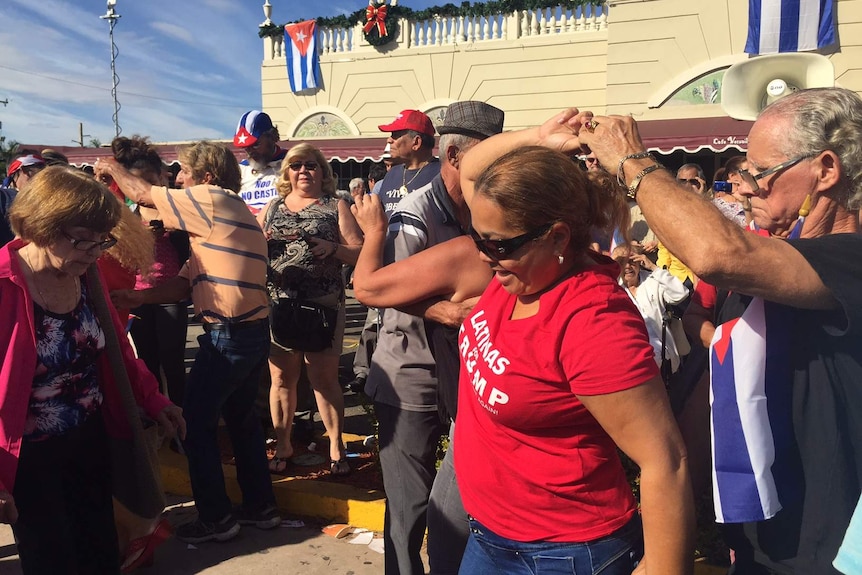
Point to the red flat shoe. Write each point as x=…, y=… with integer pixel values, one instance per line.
x=146, y=546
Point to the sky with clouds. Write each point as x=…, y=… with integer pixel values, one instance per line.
x=187, y=69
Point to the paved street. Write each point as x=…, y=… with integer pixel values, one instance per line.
x=281, y=551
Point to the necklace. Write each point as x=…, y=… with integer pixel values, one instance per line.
x=404, y=183
x=39, y=290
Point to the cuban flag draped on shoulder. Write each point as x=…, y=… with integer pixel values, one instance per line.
x=755, y=467
x=303, y=66
x=789, y=25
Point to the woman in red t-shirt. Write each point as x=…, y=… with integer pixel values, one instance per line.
x=557, y=372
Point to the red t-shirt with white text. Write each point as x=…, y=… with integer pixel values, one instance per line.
x=532, y=463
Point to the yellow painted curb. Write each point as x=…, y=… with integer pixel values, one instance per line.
x=330, y=502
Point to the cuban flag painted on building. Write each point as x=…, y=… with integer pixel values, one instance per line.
x=303, y=66
x=789, y=25
x=753, y=450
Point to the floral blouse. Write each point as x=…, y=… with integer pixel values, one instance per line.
x=65, y=386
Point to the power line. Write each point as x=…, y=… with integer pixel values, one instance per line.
x=134, y=94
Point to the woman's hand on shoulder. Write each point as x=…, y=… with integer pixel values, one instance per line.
x=369, y=214
x=8, y=509
x=172, y=421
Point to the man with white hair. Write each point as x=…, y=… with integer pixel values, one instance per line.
x=356, y=187
x=403, y=381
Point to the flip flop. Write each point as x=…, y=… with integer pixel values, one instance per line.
x=340, y=467
x=278, y=464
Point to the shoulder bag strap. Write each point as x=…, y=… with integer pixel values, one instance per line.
x=270, y=212
x=134, y=479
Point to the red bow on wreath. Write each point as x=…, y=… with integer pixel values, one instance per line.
x=375, y=15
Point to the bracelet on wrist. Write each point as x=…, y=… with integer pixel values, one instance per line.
x=621, y=178
x=636, y=182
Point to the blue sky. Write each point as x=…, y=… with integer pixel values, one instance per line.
x=188, y=69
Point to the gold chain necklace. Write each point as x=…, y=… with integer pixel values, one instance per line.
x=39, y=290
x=404, y=183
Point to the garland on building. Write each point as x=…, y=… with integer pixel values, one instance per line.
x=380, y=29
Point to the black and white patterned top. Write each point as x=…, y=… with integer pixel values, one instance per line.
x=293, y=271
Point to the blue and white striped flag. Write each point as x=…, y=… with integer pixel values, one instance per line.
x=789, y=25
x=303, y=66
x=751, y=379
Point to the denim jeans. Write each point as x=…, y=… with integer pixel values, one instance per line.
x=616, y=554
x=408, y=448
x=223, y=382
x=448, y=528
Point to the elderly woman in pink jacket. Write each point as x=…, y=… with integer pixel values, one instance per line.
x=60, y=402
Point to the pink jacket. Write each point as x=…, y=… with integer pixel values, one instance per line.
x=18, y=364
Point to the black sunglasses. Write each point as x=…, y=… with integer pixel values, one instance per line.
x=497, y=249
x=87, y=245
x=296, y=166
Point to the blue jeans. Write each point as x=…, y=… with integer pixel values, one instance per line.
x=448, y=529
x=616, y=554
x=223, y=382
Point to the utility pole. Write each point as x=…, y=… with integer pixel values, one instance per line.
x=81, y=134
x=4, y=102
x=112, y=18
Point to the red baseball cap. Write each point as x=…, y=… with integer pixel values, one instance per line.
x=410, y=120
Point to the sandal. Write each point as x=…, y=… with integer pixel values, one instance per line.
x=278, y=464
x=141, y=551
x=340, y=467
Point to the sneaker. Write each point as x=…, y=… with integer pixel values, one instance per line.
x=202, y=531
x=269, y=518
x=358, y=384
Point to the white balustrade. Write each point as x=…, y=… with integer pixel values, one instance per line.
x=455, y=30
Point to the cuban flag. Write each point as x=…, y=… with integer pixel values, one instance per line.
x=789, y=25
x=753, y=451
x=303, y=66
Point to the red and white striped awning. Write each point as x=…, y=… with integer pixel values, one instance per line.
x=664, y=136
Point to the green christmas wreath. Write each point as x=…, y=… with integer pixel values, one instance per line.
x=380, y=26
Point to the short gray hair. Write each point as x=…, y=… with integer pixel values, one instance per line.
x=461, y=141
x=824, y=119
x=355, y=183
x=693, y=167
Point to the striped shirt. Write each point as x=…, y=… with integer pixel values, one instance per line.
x=227, y=266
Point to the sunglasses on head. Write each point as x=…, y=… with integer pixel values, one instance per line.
x=296, y=166
x=498, y=249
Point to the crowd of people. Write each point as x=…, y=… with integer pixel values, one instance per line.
x=547, y=298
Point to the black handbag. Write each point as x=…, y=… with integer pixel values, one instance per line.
x=302, y=325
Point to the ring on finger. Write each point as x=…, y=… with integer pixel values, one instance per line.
x=591, y=125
